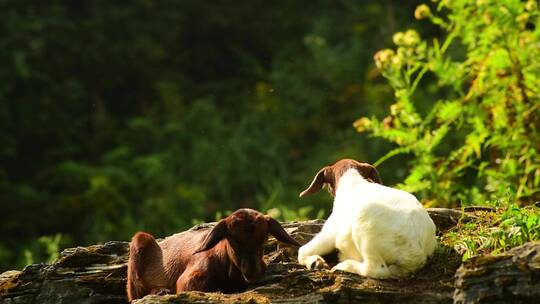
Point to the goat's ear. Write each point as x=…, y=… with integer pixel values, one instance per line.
x=215, y=235
x=317, y=183
x=275, y=229
x=374, y=176
x=369, y=173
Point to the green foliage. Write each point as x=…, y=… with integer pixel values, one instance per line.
x=495, y=231
x=284, y=213
x=480, y=139
x=44, y=249
x=517, y=226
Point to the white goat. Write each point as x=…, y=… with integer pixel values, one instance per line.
x=380, y=232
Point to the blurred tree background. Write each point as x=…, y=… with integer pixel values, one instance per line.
x=155, y=115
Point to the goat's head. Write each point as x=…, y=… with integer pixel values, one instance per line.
x=330, y=175
x=247, y=230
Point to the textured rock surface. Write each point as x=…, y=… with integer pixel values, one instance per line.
x=96, y=274
x=511, y=277
x=293, y=285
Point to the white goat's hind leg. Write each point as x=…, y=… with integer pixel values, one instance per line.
x=323, y=243
x=372, y=265
x=349, y=266
x=374, y=268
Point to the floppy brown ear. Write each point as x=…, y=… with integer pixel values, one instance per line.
x=316, y=184
x=369, y=173
x=215, y=235
x=275, y=229
x=374, y=176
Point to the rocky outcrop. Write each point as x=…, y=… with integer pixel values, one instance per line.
x=293, y=285
x=96, y=274
x=510, y=277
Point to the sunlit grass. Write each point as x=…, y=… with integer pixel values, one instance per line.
x=494, y=231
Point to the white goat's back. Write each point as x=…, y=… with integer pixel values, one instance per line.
x=385, y=222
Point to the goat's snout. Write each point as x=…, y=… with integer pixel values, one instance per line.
x=250, y=228
x=252, y=269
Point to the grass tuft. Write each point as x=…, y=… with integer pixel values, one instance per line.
x=492, y=232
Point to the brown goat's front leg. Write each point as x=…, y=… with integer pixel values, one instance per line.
x=192, y=279
x=146, y=273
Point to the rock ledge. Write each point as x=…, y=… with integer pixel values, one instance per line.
x=97, y=274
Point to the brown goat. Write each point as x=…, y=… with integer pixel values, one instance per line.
x=224, y=259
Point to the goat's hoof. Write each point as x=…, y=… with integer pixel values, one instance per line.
x=161, y=291
x=319, y=263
